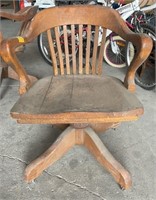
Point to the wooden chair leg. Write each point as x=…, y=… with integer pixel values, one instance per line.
x=64, y=142
x=8, y=72
x=97, y=148
x=12, y=74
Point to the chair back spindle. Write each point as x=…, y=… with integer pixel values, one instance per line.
x=52, y=52
x=73, y=49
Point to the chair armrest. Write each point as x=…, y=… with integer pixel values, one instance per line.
x=143, y=44
x=8, y=54
x=23, y=15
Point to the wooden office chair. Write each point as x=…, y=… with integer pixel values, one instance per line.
x=25, y=16
x=77, y=95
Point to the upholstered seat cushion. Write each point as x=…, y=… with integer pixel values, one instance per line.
x=77, y=93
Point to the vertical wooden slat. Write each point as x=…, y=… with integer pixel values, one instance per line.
x=52, y=52
x=80, y=49
x=100, y=59
x=66, y=41
x=57, y=35
x=88, y=48
x=73, y=49
x=95, y=45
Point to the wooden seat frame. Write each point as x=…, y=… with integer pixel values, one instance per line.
x=81, y=126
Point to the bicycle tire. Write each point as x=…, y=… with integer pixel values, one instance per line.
x=43, y=46
x=151, y=17
x=145, y=75
x=116, y=59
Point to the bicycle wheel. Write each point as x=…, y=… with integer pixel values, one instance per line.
x=114, y=52
x=145, y=75
x=44, y=48
x=151, y=17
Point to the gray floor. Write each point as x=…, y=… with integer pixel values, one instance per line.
x=77, y=176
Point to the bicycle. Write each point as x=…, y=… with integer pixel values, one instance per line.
x=115, y=48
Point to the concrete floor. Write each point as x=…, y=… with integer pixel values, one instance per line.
x=76, y=176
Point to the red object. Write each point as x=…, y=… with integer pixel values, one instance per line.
x=122, y=2
x=21, y=4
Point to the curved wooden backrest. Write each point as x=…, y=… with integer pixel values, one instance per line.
x=78, y=14
x=64, y=28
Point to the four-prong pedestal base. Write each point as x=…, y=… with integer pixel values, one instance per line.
x=77, y=135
